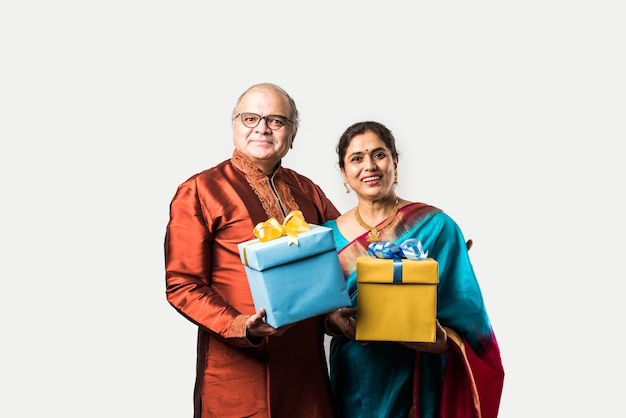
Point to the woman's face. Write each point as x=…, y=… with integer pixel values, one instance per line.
x=369, y=167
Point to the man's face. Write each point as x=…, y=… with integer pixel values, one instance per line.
x=262, y=145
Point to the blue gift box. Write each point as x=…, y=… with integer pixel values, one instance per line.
x=297, y=281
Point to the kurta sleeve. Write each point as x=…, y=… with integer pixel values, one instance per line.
x=188, y=261
x=330, y=211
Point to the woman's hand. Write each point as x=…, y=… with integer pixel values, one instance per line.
x=440, y=346
x=342, y=322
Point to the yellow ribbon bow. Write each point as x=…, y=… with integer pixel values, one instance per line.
x=293, y=224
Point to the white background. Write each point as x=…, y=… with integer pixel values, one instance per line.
x=508, y=115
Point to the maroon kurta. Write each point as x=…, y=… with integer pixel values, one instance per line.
x=213, y=211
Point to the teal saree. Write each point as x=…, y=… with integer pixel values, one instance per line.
x=387, y=379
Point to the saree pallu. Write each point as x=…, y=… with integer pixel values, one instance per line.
x=387, y=379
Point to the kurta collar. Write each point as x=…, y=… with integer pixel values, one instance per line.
x=273, y=192
x=249, y=168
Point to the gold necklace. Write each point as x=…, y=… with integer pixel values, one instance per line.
x=374, y=231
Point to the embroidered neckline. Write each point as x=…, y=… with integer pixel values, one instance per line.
x=271, y=190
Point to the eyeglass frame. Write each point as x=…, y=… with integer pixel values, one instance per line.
x=283, y=118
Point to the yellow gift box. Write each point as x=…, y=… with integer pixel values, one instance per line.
x=397, y=299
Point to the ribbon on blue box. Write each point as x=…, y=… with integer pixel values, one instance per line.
x=292, y=225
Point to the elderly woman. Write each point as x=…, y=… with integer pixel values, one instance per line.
x=460, y=374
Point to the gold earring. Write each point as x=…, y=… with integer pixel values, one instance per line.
x=345, y=184
x=395, y=181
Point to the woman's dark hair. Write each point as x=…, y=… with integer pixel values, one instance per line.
x=360, y=128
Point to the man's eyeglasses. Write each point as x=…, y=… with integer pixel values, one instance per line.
x=251, y=120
